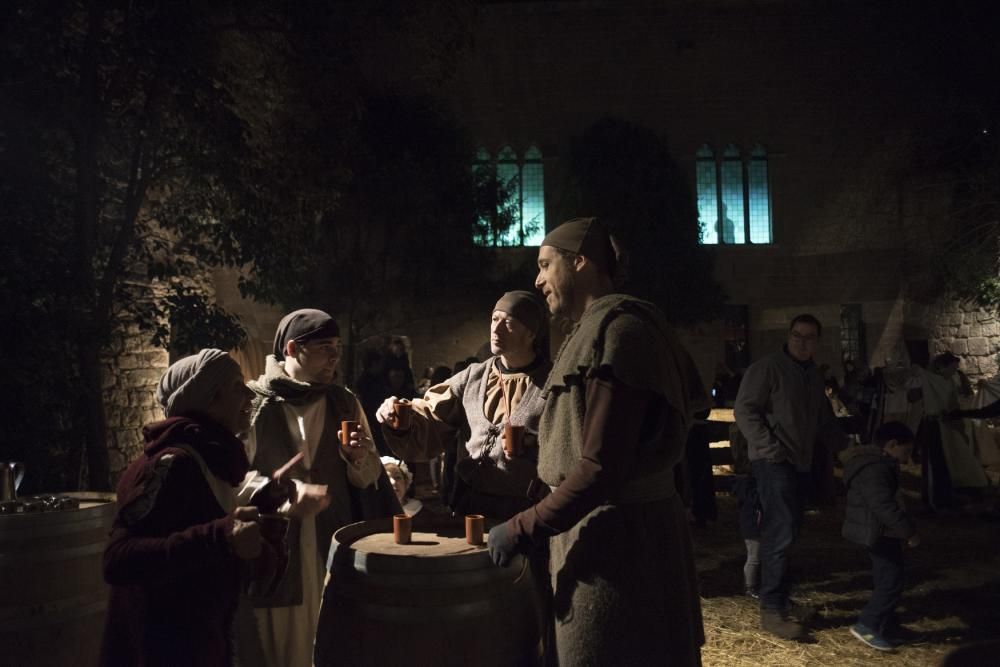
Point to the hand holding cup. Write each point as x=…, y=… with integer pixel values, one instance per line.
x=402, y=410
x=245, y=538
x=384, y=412
x=351, y=440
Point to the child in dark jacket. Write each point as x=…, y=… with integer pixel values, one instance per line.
x=876, y=519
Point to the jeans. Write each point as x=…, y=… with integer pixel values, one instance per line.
x=781, y=489
x=751, y=568
x=887, y=572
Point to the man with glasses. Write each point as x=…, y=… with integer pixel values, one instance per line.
x=782, y=410
x=298, y=410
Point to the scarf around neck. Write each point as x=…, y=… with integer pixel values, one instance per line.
x=276, y=384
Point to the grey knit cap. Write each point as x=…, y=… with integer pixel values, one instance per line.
x=191, y=383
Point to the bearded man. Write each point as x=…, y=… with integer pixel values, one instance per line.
x=616, y=416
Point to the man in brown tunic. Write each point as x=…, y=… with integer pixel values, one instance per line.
x=476, y=404
x=613, y=428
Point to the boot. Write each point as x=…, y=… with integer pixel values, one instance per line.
x=800, y=612
x=778, y=624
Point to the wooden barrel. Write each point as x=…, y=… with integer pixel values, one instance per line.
x=435, y=601
x=52, y=592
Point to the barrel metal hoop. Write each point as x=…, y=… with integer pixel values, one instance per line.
x=29, y=617
x=44, y=556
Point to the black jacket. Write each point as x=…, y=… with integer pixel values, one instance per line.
x=873, y=511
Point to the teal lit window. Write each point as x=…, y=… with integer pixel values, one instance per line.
x=759, y=196
x=708, y=194
x=514, y=195
x=734, y=205
x=852, y=333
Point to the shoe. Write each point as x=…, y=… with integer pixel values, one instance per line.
x=868, y=637
x=778, y=624
x=751, y=592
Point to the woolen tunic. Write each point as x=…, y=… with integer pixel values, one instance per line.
x=613, y=428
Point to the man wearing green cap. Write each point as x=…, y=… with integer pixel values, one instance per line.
x=476, y=404
x=617, y=411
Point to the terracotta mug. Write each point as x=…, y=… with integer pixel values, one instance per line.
x=513, y=439
x=474, y=528
x=402, y=528
x=401, y=412
x=346, y=428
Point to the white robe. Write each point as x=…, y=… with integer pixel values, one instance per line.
x=287, y=633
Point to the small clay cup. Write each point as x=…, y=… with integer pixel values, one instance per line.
x=513, y=440
x=346, y=428
x=474, y=528
x=401, y=412
x=402, y=528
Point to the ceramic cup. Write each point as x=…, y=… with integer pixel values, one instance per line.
x=402, y=528
x=474, y=528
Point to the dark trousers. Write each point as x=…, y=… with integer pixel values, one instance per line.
x=887, y=572
x=698, y=459
x=780, y=488
x=936, y=490
x=823, y=489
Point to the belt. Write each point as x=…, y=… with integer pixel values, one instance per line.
x=657, y=486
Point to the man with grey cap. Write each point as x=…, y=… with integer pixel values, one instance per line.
x=617, y=411
x=476, y=405
x=173, y=559
x=298, y=410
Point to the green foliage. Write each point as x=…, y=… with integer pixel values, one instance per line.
x=149, y=141
x=624, y=174
x=496, y=200
x=401, y=231
x=185, y=321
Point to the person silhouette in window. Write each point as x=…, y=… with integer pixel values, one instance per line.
x=728, y=227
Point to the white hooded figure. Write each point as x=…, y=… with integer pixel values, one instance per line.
x=401, y=477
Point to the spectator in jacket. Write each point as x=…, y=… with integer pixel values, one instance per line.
x=877, y=520
x=782, y=410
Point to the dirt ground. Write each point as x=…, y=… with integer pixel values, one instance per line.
x=952, y=590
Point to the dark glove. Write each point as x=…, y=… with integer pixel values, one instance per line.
x=503, y=545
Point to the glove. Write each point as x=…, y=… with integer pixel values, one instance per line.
x=503, y=545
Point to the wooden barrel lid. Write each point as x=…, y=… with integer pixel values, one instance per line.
x=437, y=541
x=423, y=544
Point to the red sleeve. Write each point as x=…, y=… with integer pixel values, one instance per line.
x=611, y=431
x=136, y=554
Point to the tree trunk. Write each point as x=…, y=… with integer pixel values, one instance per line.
x=95, y=419
x=88, y=346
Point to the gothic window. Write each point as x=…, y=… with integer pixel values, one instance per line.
x=734, y=205
x=512, y=209
x=852, y=333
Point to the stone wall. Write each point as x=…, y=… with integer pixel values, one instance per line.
x=967, y=331
x=132, y=369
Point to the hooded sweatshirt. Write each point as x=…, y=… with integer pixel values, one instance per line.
x=873, y=511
